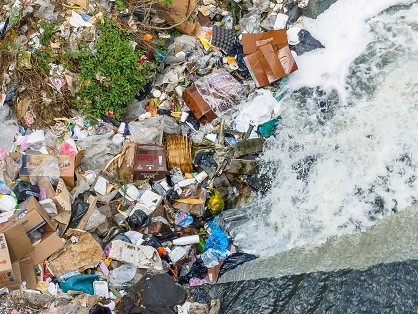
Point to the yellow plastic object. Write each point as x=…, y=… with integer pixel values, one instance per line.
x=215, y=203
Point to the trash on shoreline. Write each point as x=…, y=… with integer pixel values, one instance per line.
x=124, y=142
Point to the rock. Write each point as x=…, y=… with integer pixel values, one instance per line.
x=316, y=7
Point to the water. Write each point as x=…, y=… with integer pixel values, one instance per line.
x=340, y=220
x=346, y=155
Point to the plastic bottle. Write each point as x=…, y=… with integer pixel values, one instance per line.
x=186, y=240
x=4, y=189
x=122, y=275
x=7, y=203
x=69, y=274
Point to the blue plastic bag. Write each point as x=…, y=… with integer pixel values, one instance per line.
x=218, y=239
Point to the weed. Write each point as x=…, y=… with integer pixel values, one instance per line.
x=112, y=75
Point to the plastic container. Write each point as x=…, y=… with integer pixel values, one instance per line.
x=186, y=240
x=68, y=275
x=7, y=203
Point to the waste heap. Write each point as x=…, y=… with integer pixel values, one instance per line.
x=125, y=146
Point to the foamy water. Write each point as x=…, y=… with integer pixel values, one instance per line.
x=347, y=153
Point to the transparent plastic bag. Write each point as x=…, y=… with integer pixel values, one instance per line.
x=221, y=91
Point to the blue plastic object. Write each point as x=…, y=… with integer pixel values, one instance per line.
x=218, y=240
x=80, y=283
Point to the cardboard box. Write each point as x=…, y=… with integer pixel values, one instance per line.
x=150, y=162
x=66, y=165
x=30, y=217
x=13, y=274
x=200, y=108
x=268, y=56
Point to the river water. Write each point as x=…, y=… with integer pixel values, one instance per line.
x=340, y=219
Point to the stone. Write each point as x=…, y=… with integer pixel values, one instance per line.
x=316, y=7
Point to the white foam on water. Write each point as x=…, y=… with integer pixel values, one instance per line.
x=366, y=154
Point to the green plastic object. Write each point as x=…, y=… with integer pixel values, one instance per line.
x=268, y=128
x=80, y=283
x=215, y=203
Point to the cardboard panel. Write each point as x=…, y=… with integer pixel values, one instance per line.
x=278, y=39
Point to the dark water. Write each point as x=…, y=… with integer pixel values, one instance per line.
x=385, y=288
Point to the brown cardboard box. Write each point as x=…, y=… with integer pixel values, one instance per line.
x=30, y=217
x=150, y=162
x=200, y=108
x=65, y=163
x=268, y=56
x=215, y=93
x=12, y=274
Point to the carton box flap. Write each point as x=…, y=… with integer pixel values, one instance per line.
x=18, y=242
x=277, y=38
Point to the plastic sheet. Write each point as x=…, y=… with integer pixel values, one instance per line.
x=221, y=91
x=306, y=43
x=80, y=283
x=47, y=168
x=234, y=260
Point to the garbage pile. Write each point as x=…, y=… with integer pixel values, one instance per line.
x=125, y=146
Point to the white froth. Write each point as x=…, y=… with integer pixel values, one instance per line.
x=355, y=149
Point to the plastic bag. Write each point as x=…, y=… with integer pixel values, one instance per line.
x=122, y=274
x=221, y=91
x=24, y=190
x=47, y=168
x=78, y=208
x=257, y=110
x=138, y=219
x=234, y=260
x=98, y=309
x=268, y=128
x=206, y=161
x=197, y=270
x=215, y=203
x=80, y=283
x=145, y=135
x=217, y=239
x=306, y=43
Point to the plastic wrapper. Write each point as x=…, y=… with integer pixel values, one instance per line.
x=138, y=219
x=205, y=160
x=221, y=91
x=251, y=22
x=183, y=219
x=234, y=260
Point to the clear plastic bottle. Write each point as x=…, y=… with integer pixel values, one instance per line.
x=69, y=274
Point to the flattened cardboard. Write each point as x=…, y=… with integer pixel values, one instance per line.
x=150, y=162
x=65, y=163
x=23, y=222
x=86, y=253
x=277, y=38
